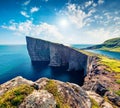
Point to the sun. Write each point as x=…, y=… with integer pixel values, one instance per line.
x=63, y=22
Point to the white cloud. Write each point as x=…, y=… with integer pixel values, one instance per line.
x=53, y=33
x=34, y=9
x=100, y=1
x=46, y=0
x=89, y=3
x=24, y=14
x=94, y=5
x=26, y=2
x=76, y=15
x=43, y=31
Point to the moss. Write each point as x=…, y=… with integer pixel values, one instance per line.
x=118, y=81
x=117, y=92
x=51, y=87
x=15, y=96
x=94, y=103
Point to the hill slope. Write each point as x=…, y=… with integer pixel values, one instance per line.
x=110, y=45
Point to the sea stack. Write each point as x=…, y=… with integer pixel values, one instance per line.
x=56, y=54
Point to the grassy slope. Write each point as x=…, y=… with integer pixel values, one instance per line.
x=112, y=65
x=109, y=45
x=110, y=49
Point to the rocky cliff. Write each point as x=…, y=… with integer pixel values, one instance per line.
x=48, y=93
x=56, y=54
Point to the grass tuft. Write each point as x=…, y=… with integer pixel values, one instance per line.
x=94, y=103
x=51, y=87
x=14, y=97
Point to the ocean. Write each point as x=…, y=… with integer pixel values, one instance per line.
x=15, y=61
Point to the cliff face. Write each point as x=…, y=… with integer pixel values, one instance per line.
x=56, y=54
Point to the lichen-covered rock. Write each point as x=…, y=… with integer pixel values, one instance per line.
x=100, y=100
x=72, y=95
x=113, y=98
x=14, y=83
x=96, y=97
x=46, y=93
x=106, y=105
x=39, y=99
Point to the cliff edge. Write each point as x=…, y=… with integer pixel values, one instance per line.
x=56, y=54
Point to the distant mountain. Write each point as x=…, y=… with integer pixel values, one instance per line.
x=110, y=45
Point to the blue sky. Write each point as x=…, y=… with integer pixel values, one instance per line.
x=63, y=21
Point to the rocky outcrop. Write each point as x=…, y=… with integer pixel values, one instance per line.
x=101, y=81
x=49, y=94
x=56, y=54
x=39, y=99
x=14, y=83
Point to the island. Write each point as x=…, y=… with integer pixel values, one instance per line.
x=108, y=45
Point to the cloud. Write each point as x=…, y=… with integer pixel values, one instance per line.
x=46, y=0
x=100, y=1
x=24, y=14
x=34, y=9
x=26, y=2
x=43, y=30
x=88, y=3
x=94, y=5
x=77, y=16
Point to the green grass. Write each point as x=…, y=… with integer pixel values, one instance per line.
x=14, y=97
x=110, y=49
x=118, y=81
x=112, y=64
x=117, y=92
x=94, y=103
x=51, y=87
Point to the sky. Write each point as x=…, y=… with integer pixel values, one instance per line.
x=62, y=21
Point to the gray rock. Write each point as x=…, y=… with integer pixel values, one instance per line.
x=39, y=99
x=72, y=94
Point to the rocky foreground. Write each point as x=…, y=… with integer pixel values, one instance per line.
x=47, y=93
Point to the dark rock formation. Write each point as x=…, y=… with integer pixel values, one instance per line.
x=56, y=54
x=99, y=89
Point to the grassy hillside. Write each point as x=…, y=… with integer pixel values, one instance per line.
x=109, y=45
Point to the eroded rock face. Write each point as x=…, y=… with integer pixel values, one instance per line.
x=56, y=54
